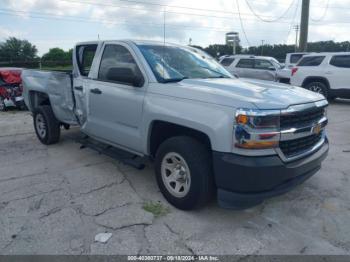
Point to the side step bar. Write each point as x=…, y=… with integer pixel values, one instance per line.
x=116, y=153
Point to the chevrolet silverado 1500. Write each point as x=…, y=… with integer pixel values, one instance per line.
x=206, y=131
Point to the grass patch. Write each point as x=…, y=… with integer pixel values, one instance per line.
x=156, y=208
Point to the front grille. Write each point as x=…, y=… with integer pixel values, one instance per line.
x=301, y=118
x=297, y=146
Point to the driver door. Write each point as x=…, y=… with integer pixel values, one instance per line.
x=115, y=107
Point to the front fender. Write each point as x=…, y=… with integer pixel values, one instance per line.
x=216, y=121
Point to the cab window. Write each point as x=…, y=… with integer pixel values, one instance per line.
x=227, y=61
x=118, y=59
x=85, y=57
x=245, y=63
x=311, y=61
x=341, y=61
x=263, y=64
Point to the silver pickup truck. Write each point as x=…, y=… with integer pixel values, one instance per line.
x=206, y=131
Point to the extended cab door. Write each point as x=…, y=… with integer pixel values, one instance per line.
x=82, y=62
x=114, y=104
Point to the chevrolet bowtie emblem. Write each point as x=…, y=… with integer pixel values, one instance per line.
x=316, y=129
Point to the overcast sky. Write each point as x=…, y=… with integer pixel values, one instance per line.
x=62, y=23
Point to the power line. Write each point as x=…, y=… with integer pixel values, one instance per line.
x=167, y=11
x=292, y=23
x=323, y=15
x=50, y=16
x=190, y=8
x=272, y=20
x=241, y=23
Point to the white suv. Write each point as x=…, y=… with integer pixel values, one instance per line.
x=324, y=73
x=250, y=66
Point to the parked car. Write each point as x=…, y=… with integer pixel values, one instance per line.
x=324, y=73
x=11, y=88
x=293, y=58
x=258, y=67
x=205, y=130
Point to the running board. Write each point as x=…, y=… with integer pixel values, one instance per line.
x=116, y=153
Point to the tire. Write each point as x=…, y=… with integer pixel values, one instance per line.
x=200, y=176
x=47, y=127
x=318, y=87
x=2, y=105
x=66, y=126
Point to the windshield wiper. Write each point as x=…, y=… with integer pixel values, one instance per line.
x=221, y=75
x=172, y=80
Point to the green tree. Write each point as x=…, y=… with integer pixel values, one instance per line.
x=17, y=50
x=56, y=55
x=219, y=50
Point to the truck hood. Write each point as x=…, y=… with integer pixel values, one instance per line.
x=236, y=93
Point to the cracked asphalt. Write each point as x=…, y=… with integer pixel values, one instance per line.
x=55, y=199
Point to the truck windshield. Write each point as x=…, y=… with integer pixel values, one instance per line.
x=174, y=63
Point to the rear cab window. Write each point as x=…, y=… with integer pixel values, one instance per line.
x=340, y=61
x=245, y=63
x=227, y=61
x=85, y=56
x=311, y=61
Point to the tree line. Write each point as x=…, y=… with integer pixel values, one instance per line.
x=22, y=53
x=277, y=51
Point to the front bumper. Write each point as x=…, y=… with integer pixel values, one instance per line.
x=245, y=181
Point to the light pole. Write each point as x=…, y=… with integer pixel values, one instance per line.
x=262, y=46
x=296, y=28
x=232, y=38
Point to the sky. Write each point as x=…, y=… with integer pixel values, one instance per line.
x=62, y=23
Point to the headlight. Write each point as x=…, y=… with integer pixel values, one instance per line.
x=256, y=129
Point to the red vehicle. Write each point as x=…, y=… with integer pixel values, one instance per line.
x=11, y=88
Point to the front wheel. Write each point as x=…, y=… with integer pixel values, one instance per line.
x=318, y=87
x=184, y=172
x=47, y=127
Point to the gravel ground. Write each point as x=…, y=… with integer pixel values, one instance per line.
x=54, y=200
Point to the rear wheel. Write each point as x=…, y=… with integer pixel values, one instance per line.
x=318, y=87
x=47, y=127
x=184, y=172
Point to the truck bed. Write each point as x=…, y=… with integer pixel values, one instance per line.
x=57, y=85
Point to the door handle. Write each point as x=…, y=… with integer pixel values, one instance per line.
x=79, y=88
x=328, y=72
x=96, y=91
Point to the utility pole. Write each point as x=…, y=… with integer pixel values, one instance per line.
x=296, y=28
x=262, y=46
x=304, y=25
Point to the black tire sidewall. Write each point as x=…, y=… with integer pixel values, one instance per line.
x=52, y=125
x=322, y=85
x=197, y=159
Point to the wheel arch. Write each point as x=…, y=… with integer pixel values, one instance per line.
x=311, y=79
x=161, y=130
x=37, y=98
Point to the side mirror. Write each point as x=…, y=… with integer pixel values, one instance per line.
x=124, y=75
x=271, y=68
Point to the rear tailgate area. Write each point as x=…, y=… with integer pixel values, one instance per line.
x=58, y=87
